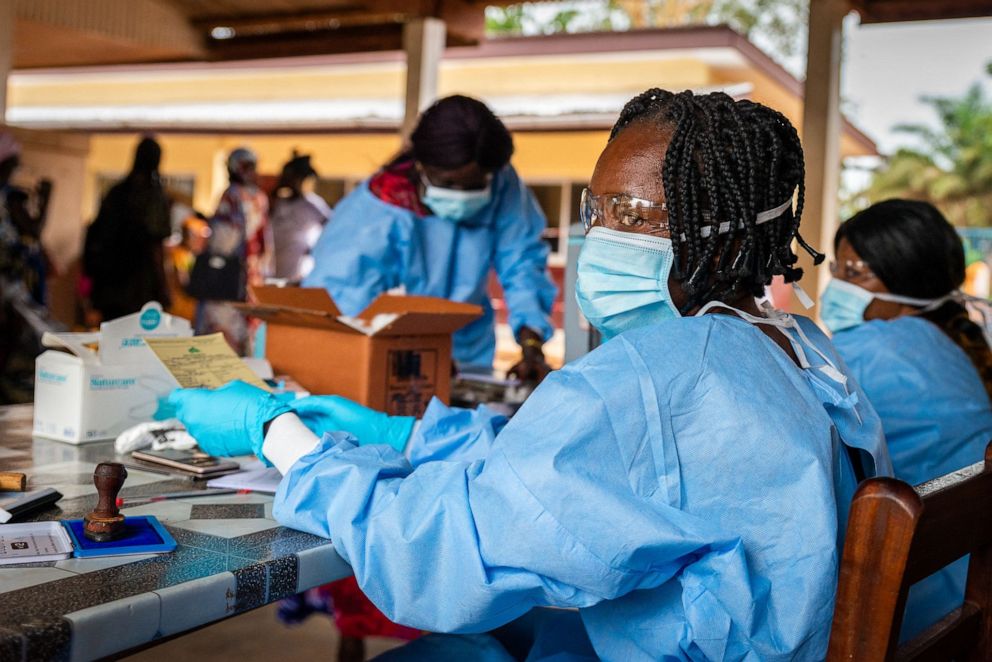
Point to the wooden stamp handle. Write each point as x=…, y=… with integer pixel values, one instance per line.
x=109, y=478
x=12, y=481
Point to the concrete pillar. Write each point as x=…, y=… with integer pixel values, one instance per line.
x=423, y=41
x=6, y=51
x=821, y=134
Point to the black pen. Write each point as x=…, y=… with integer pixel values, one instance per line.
x=140, y=500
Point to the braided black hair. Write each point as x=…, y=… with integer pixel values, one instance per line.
x=727, y=161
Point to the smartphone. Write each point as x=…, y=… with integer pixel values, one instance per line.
x=193, y=461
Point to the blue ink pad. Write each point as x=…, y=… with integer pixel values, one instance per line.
x=142, y=535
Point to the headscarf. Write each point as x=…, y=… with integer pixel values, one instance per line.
x=239, y=158
x=8, y=146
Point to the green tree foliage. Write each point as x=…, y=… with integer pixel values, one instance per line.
x=949, y=166
x=777, y=25
x=554, y=17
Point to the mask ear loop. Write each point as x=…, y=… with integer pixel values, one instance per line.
x=785, y=322
x=973, y=305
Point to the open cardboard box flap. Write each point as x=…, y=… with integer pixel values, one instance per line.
x=311, y=299
x=314, y=308
x=420, y=315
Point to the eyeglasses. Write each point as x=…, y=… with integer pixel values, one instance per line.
x=851, y=270
x=620, y=211
x=475, y=186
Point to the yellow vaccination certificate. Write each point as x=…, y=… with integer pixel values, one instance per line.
x=202, y=361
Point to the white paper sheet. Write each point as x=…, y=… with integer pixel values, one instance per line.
x=257, y=480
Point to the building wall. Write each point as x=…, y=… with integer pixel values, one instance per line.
x=60, y=157
x=203, y=157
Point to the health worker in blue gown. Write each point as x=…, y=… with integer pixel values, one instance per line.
x=901, y=325
x=681, y=491
x=435, y=222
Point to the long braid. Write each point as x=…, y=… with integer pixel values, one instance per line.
x=717, y=210
x=726, y=161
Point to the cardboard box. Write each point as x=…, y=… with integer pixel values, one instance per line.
x=394, y=356
x=84, y=395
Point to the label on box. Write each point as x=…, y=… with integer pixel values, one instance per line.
x=411, y=381
x=123, y=340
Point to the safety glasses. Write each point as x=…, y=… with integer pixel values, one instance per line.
x=481, y=186
x=620, y=211
x=851, y=270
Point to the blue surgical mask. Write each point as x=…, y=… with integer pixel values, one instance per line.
x=453, y=204
x=623, y=280
x=843, y=304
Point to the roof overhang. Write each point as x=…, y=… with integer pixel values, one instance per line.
x=717, y=46
x=519, y=113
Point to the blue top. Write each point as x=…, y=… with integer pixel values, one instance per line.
x=937, y=419
x=683, y=485
x=933, y=405
x=371, y=246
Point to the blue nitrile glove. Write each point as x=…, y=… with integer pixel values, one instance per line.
x=164, y=410
x=228, y=420
x=333, y=413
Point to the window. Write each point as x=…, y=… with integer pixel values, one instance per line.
x=560, y=203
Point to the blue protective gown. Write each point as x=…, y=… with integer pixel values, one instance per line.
x=684, y=486
x=937, y=419
x=372, y=246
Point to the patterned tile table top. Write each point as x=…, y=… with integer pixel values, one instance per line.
x=232, y=556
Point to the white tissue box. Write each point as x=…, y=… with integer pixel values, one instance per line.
x=85, y=395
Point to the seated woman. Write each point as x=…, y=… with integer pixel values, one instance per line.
x=899, y=324
x=684, y=486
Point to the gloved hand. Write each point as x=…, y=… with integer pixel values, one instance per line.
x=228, y=420
x=330, y=413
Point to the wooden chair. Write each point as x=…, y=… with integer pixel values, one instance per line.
x=898, y=535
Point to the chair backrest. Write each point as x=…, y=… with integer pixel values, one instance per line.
x=898, y=535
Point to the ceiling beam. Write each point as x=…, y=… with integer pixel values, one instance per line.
x=139, y=24
x=893, y=11
x=351, y=11
x=377, y=27
x=295, y=44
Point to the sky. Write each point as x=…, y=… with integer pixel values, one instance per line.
x=888, y=67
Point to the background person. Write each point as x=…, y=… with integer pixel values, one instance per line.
x=24, y=272
x=237, y=253
x=194, y=233
x=436, y=221
x=685, y=485
x=924, y=364
x=298, y=217
x=123, y=252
